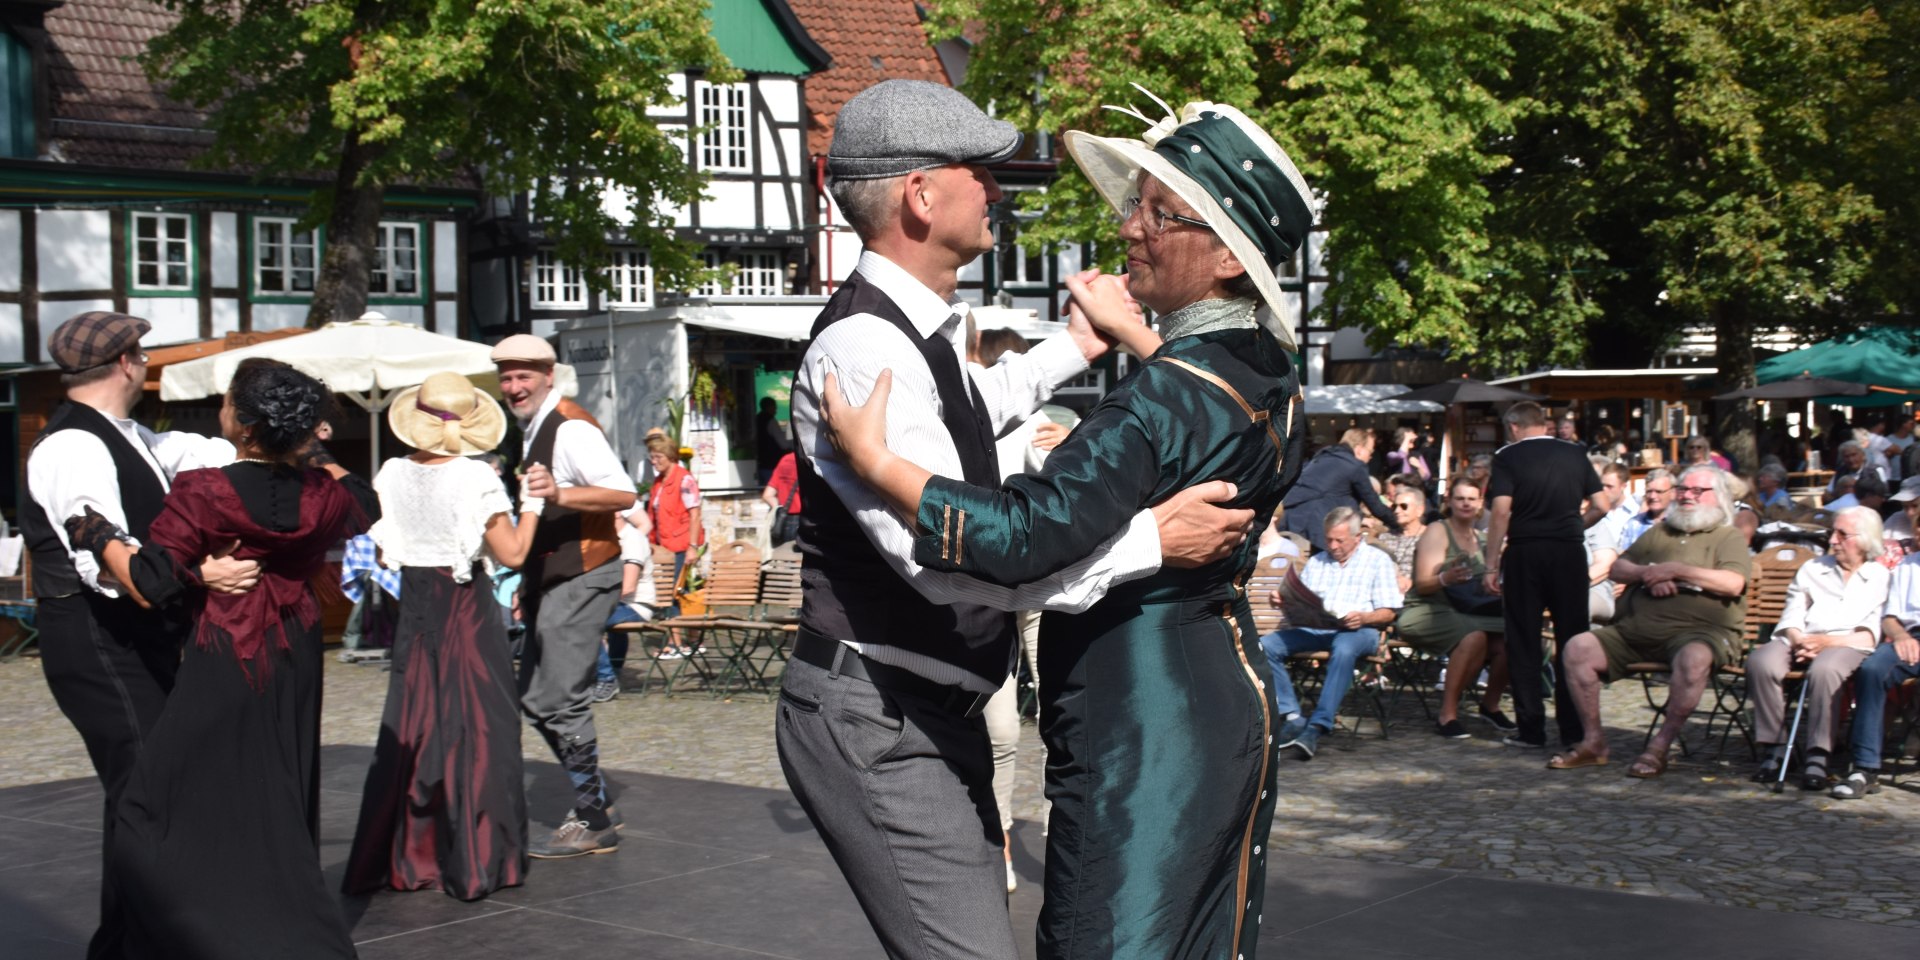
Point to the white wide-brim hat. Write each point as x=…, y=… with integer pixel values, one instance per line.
x=1230, y=171
x=446, y=414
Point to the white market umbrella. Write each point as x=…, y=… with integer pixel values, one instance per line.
x=367, y=360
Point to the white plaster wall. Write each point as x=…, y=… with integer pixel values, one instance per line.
x=770, y=145
x=226, y=316
x=446, y=263
x=773, y=197
x=446, y=318
x=174, y=319
x=783, y=98
x=10, y=253
x=13, y=344
x=839, y=252
x=1349, y=343
x=278, y=316
x=731, y=205
x=53, y=313
x=73, y=248
x=397, y=312
x=617, y=202
x=223, y=250
x=677, y=85
x=796, y=155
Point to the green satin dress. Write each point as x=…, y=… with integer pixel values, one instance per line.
x=1154, y=702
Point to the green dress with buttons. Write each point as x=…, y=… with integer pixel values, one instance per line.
x=1154, y=702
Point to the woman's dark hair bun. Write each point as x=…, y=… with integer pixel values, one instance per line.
x=281, y=404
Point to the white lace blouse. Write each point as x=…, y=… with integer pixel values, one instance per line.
x=435, y=515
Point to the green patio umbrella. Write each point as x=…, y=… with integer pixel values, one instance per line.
x=1878, y=356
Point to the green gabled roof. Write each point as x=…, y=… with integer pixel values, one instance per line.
x=763, y=36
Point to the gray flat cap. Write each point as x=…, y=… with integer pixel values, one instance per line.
x=899, y=126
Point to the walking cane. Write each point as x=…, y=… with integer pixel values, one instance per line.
x=1786, y=759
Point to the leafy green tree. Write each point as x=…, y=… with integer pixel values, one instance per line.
x=546, y=96
x=1507, y=180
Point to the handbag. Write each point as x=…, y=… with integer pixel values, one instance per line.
x=786, y=522
x=1472, y=598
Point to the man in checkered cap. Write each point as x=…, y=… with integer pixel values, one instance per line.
x=109, y=664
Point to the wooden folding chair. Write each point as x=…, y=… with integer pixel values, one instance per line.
x=1773, y=572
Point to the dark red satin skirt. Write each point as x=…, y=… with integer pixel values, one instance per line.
x=445, y=805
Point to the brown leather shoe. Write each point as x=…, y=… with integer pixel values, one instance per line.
x=574, y=839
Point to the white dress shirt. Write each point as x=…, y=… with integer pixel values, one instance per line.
x=582, y=457
x=70, y=470
x=1822, y=599
x=856, y=349
x=1903, y=592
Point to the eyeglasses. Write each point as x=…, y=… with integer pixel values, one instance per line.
x=1160, y=217
x=1696, y=491
x=1842, y=534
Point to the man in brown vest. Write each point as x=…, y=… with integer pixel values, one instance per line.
x=569, y=584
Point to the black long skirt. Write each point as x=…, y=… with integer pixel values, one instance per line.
x=445, y=806
x=215, y=848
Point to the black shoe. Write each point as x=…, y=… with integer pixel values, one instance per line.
x=1814, y=775
x=1770, y=763
x=1453, y=730
x=574, y=839
x=1523, y=743
x=1307, y=743
x=1857, y=786
x=1498, y=720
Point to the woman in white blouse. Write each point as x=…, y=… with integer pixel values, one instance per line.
x=1832, y=620
x=444, y=806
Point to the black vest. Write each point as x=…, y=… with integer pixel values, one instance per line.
x=568, y=542
x=848, y=592
x=141, y=494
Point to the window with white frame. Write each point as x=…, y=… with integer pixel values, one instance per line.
x=396, y=261
x=631, y=275
x=723, y=114
x=1020, y=266
x=557, y=285
x=285, y=260
x=756, y=273
x=162, y=251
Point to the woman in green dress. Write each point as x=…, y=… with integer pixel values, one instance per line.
x=1154, y=703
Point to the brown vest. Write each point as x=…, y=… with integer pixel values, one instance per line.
x=569, y=542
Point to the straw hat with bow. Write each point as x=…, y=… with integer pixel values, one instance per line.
x=446, y=414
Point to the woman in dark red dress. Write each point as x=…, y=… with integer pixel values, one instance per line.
x=215, y=846
x=445, y=805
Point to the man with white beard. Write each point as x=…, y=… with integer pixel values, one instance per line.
x=1686, y=584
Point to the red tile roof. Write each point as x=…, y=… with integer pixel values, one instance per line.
x=871, y=41
x=103, y=109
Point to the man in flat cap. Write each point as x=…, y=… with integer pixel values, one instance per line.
x=109, y=663
x=569, y=584
x=879, y=727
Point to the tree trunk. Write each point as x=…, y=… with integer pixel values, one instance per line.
x=346, y=266
x=1734, y=425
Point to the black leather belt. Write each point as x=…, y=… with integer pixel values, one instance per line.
x=838, y=658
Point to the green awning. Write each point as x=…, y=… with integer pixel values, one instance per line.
x=1877, y=356
x=763, y=36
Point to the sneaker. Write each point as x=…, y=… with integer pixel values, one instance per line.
x=604, y=690
x=1290, y=731
x=1453, y=730
x=1498, y=720
x=346, y=656
x=1523, y=743
x=574, y=839
x=1857, y=786
x=671, y=653
x=1307, y=743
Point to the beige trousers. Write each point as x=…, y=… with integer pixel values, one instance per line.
x=1767, y=668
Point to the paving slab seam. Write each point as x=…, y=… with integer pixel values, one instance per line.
x=36, y=821
x=640, y=883
x=663, y=933
x=503, y=911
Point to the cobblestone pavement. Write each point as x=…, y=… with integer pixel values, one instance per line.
x=1702, y=832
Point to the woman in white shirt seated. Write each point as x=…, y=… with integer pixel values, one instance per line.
x=444, y=806
x=1832, y=620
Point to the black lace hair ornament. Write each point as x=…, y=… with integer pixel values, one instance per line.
x=281, y=404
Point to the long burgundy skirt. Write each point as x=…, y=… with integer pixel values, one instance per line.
x=445, y=804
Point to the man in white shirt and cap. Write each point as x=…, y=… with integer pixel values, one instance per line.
x=570, y=583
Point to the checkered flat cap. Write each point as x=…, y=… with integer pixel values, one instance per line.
x=898, y=126
x=94, y=338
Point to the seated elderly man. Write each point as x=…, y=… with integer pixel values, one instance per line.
x=1853, y=465
x=1654, y=502
x=1832, y=621
x=1686, y=585
x=1602, y=541
x=1357, y=584
x=1895, y=660
x=1770, y=491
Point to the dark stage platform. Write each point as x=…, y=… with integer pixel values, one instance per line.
x=709, y=871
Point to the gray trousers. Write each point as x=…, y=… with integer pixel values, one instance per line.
x=901, y=790
x=563, y=644
x=1767, y=669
